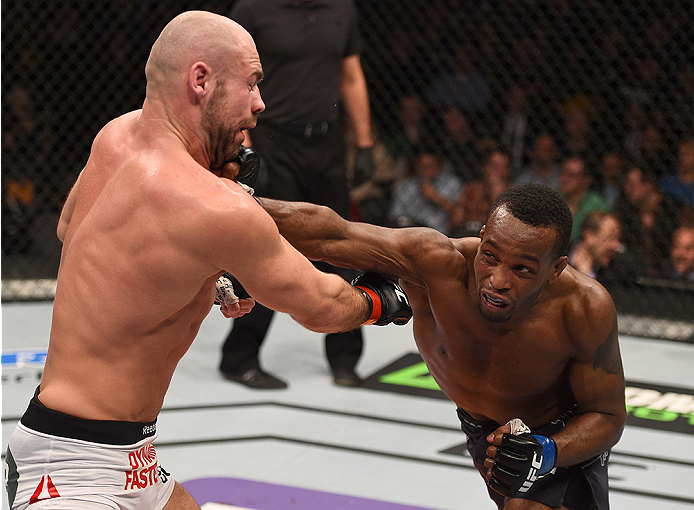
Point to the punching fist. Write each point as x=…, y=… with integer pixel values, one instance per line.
x=249, y=161
x=517, y=461
x=387, y=299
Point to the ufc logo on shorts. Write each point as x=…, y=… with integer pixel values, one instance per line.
x=532, y=474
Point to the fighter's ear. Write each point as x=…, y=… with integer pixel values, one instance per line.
x=482, y=231
x=199, y=81
x=558, y=267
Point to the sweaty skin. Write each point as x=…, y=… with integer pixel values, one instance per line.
x=505, y=329
x=148, y=228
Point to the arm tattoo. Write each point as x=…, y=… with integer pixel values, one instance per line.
x=607, y=354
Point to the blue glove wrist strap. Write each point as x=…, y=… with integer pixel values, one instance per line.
x=549, y=453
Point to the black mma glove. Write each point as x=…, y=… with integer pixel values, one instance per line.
x=229, y=290
x=363, y=166
x=520, y=460
x=249, y=161
x=387, y=299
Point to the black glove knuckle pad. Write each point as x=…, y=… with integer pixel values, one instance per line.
x=249, y=161
x=393, y=302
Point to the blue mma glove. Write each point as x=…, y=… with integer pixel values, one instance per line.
x=520, y=460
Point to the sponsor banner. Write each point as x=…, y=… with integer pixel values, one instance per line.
x=648, y=405
x=23, y=365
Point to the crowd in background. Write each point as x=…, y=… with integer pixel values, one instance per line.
x=593, y=98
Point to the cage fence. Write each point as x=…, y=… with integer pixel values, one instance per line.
x=607, y=81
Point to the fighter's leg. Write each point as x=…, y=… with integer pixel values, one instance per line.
x=181, y=500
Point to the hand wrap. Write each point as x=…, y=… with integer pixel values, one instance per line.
x=520, y=460
x=387, y=299
x=229, y=290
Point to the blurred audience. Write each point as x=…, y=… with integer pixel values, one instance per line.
x=428, y=196
x=543, y=167
x=459, y=146
x=516, y=128
x=477, y=197
x=680, y=184
x=610, y=176
x=461, y=85
x=600, y=254
x=682, y=254
x=575, y=185
x=649, y=217
x=410, y=127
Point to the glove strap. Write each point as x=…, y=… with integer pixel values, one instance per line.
x=549, y=453
x=375, y=304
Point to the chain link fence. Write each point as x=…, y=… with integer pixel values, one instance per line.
x=611, y=82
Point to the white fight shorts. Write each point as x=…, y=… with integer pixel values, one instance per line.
x=58, y=461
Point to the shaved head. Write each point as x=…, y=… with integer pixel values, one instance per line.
x=194, y=36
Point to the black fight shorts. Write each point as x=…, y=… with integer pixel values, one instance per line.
x=580, y=487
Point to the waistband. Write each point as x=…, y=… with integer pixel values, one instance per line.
x=305, y=130
x=471, y=424
x=40, y=418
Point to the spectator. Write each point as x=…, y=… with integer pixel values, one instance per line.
x=411, y=128
x=610, y=178
x=600, y=254
x=459, y=146
x=575, y=186
x=682, y=254
x=311, y=65
x=577, y=138
x=543, y=168
x=26, y=165
x=516, y=128
x=463, y=86
x=649, y=217
x=680, y=184
x=478, y=196
x=428, y=196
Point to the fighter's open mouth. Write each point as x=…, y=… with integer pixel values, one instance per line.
x=494, y=302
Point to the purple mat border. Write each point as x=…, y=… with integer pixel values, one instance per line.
x=268, y=496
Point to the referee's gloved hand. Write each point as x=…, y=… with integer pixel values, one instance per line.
x=363, y=166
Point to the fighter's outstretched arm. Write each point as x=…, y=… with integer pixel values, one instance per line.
x=414, y=254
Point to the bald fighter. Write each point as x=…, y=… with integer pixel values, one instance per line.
x=525, y=345
x=147, y=230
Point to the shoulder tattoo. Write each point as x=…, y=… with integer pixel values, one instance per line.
x=607, y=354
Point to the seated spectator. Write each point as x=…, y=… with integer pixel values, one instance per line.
x=516, y=126
x=478, y=196
x=543, y=167
x=459, y=145
x=462, y=85
x=411, y=128
x=599, y=252
x=575, y=185
x=682, y=254
x=649, y=217
x=578, y=139
x=428, y=196
x=610, y=178
x=680, y=183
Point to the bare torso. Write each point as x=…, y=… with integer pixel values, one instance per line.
x=485, y=368
x=125, y=311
